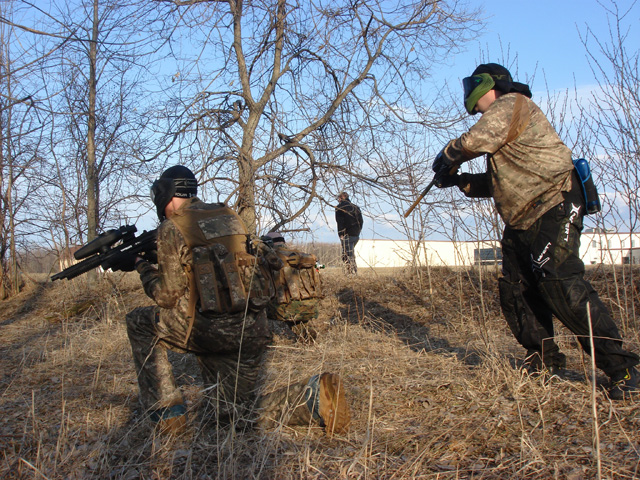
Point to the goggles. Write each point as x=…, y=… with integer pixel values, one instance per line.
x=174, y=187
x=164, y=189
x=475, y=87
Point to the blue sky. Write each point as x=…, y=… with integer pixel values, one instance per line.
x=543, y=38
x=540, y=43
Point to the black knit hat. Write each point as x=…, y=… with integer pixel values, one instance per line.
x=185, y=182
x=177, y=181
x=502, y=78
x=272, y=237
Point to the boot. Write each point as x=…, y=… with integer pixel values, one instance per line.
x=173, y=426
x=624, y=384
x=321, y=399
x=170, y=420
x=533, y=362
x=327, y=403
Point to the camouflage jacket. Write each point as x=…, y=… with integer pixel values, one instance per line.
x=528, y=166
x=168, y=284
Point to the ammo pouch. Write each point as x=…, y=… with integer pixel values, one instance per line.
x=224, y=280
x=589, y=190
x=299, y=279
x=256, y=279
x=218, y=280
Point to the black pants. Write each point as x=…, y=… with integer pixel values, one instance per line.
x=348, y=253
x=543, y=275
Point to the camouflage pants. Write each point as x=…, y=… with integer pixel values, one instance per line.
x=230, y=354
x=286, y=406
x=229, y=350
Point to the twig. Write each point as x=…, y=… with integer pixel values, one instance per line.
x=593, y=395
x=35, y=469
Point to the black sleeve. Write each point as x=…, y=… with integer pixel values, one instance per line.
x=340, y=219
x=475, y=185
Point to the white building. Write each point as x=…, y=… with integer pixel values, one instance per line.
x=609, y=247
x=595, y=247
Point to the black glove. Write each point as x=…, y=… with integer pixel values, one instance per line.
x=124, y=262
x=442, y=164
x=151, y=256
x=449, y=181
x=445, y=171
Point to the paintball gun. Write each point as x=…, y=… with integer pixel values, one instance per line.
x=437, y=179
x=101, y=250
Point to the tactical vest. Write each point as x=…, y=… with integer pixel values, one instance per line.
x=223, y=276
x=297, y=284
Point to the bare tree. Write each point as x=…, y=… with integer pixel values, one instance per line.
x=290, y=101
x=613, y=111
x=20, y=137
x=92, y=91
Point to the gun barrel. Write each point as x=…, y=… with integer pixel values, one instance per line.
x=422, y=195
x=143, y=245
x=79, y=268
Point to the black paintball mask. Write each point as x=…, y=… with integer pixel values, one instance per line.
x=486, y=77
x=177, y=181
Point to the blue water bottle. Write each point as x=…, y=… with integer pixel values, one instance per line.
x=589, y=190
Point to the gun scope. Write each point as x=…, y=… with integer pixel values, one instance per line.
x=103, y=242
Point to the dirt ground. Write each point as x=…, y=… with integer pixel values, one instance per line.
x=429, y=365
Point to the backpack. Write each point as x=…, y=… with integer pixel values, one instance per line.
x=298, y=287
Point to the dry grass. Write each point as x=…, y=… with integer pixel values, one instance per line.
x=431, y=376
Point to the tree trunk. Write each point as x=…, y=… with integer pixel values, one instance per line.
x=246, y=194
x=92, y=174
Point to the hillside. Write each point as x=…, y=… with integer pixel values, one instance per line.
x=428, y=362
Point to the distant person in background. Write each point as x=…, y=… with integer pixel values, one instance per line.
x=538, y=194
x=349, y=220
